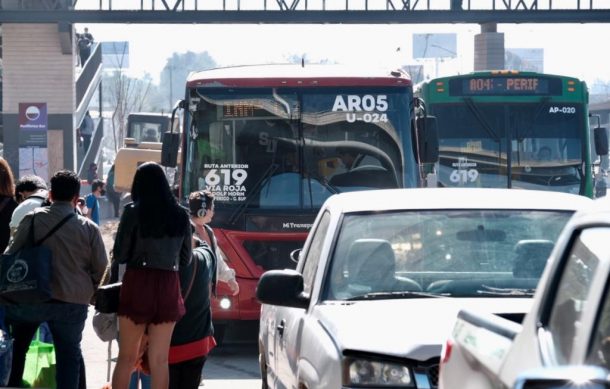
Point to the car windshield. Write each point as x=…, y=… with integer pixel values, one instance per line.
x=458, y=253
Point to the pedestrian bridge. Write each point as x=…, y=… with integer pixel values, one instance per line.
x=305, y=11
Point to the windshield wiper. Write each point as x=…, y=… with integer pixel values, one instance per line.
x=396, y=295
x=517, y=292
x=479, y=116
x=539, y=109
x=257, y=188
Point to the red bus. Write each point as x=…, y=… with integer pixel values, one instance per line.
x=272, y=142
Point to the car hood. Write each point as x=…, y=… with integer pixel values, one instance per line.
x=413, y=328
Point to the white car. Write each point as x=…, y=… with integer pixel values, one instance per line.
x=565, y=333
x=383, y=274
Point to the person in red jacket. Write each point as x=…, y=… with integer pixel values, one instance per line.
x=192, y=338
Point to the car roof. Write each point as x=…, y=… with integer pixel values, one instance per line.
x=597, y=212
x=455, y=198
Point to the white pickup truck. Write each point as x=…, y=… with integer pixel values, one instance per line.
x=568, y=324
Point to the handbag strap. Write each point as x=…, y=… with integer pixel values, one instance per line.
x=188, y=291
x=51, y=232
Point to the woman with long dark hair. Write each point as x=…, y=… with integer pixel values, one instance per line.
x=153, y=241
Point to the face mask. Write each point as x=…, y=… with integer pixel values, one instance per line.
x=103, y=192
x=84, y=210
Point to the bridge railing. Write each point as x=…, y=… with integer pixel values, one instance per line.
x=338, y=5
x=302, y=5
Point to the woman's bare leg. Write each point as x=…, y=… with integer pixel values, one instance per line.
x=159, y=338
x=130, y=335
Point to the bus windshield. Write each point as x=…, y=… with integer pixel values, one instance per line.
x=526, y=145
x=292, y=148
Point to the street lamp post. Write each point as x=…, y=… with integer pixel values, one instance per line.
x=171, y=86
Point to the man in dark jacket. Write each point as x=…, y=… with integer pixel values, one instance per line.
x=192, y=338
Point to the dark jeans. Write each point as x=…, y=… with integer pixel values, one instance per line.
x=187, y=374
x=22, y=334
x=115, y=199
x=86, y=142
x=66, y=322
x=84, y=55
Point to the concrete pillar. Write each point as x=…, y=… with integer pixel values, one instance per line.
x=37, y=69
x=489, y=48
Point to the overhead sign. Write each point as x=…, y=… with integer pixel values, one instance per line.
x=434, y=46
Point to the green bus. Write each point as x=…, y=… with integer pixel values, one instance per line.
x=510, y=129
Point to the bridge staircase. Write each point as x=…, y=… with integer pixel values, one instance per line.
x=88, y=84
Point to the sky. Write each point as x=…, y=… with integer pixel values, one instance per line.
x=569, y=49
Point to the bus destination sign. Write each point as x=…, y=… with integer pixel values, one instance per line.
x=502, y=86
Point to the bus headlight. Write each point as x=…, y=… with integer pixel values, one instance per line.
x=364, y=372
x=225, y=303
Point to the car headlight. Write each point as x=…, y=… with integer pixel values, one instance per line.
x=365, y=372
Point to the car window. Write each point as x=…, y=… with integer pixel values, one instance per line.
x=458, y=253
x=573, y=289
x=313, y=254
x=599, y=353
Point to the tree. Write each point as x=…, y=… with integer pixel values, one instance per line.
x=125, y=95
x=177, y=69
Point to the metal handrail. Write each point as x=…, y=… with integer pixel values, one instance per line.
x=95, y=150
x=87, y=77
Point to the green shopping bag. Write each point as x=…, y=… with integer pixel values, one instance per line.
x=39, y=371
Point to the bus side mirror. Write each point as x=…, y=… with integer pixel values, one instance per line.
x=169, y=149
x=600, y=135
x=427, y=137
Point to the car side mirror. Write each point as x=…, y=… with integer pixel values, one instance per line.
x=283, y=288
x=564, y=377
x=600, y=135
x=427, y=139
x=169, y=149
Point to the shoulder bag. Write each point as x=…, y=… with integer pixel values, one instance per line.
x=25, y=275
x=107, y=297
